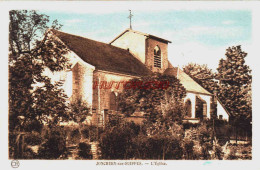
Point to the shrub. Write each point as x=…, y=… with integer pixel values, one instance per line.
x=84, y=151
x=85, y=132
x=74, y=136
x=55, y=144
x=232, y=154
x=188, y=148
x=115, y=142
x=174, y=151
x=33, y=139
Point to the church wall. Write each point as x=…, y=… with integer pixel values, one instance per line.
x=99, y=77
x=192, y=98
x=82, y=77
x=76, y=80
x=134, y=42
x=150, y=45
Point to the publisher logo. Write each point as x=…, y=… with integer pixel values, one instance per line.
x=15, y=163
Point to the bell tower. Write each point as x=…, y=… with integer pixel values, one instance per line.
x=156, y=54
x=149, y=49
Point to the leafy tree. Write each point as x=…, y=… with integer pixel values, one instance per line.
x=78, y=112
x=203, y=75
x=159, y=96
x=33, y=98
x=235, y=85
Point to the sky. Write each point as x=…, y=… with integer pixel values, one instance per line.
x=198, y=36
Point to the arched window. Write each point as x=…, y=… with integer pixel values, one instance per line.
x=157, y=57
x=201, y=108
x=188, y=108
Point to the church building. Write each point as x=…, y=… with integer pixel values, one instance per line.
x=99, y=70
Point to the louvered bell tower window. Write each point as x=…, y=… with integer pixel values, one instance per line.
x=157, y=57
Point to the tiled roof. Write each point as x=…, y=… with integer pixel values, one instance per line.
x=103, y=56
x=189, y=84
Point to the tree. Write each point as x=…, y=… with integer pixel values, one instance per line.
x=235, y=86
x=203, y=75
x=78, y=112
x=33, y=98
x=159, y=96
x=235, y=80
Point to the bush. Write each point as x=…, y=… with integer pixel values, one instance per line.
x=33, y=139
x=84, y=151
x=55, y=144
x=232, y=154
x=74, y=136
x=85, y=132
x=188, y=148
x=115, y=142
x=174, y=151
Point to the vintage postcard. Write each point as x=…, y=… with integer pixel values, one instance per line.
x=129, y=85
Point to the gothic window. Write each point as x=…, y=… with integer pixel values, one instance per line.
x=157, y=57
x=188, y=108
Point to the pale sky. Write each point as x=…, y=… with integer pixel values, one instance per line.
x=199, y=36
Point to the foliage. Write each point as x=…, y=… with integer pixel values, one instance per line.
x=78, y=112
x=188, y=147
x=202, y=75
x=33, y=98
x=74, y=136
x=84, y=151
x=115, y=141
x=33, y=139
x=233, y=87
x=157, y=103
x=54, y=145
x=146, y=141
x=235, y=91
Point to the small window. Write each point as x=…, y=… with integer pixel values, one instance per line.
x=157, y=57
x=220, y=117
